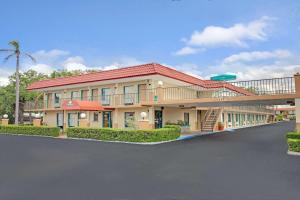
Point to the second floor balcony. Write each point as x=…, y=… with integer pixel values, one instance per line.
x=115, y=100
x=180, y=94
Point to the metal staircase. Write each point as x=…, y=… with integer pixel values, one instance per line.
x=210, y=119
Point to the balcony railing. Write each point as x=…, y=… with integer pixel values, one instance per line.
x=276, y=86
x=107, y=100
x=221, y=90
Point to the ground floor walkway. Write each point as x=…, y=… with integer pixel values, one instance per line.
x=249, y=163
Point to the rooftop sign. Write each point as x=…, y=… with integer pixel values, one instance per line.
x=223, y=77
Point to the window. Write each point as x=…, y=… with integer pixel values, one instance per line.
x=237, y=117
x=57, y=98
x=186, y=119
x=74, y=95
x=84, y=94
x=129, y=95
x=223, y=118
x=72, y=118
x=96, y=116
x=229, y=117
x=59, y=119
x=243, y=119
x=105, y=96
x=129, y=120
x=94, y=94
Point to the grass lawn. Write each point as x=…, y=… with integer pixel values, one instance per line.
x=293, y=140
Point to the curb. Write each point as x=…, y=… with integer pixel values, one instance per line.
x=91, y=140
x=121, y=142
x=293, y=153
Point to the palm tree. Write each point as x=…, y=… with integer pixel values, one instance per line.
x=15, y=52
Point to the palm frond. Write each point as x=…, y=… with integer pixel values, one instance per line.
x=15, y=44
x=6, y=50
x=8, y=57
x=31, y=57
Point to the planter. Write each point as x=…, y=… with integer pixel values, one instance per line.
x=220, y=126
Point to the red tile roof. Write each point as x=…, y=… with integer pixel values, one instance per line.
x=134, y=71
x=82, y=105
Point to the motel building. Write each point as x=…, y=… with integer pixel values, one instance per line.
x=151, y=95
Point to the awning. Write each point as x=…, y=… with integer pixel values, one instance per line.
x=83, y=105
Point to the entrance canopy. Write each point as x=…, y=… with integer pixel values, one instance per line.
x=83, y=105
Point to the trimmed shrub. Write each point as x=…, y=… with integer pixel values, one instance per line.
x=293, y=135
x=30, y=130
x=294, y=145
x=155, y=135
x=177, y=127
x=279, y=117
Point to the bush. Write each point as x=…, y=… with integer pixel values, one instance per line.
x=167, y=133
x=30, y=130
x=294, y=145
x=178, y=123
x=177, y=127
x=279, y=117
x=293, y=135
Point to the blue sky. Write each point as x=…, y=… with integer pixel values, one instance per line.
x=254, y=39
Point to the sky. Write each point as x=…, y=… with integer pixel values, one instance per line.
x=253, y=39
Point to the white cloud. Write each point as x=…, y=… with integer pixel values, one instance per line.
x=78, y=63
x=268, y=71
x=74, y=59
x=257, y=55
x=187, y=51
x=285, y=65
x=49, y=56
x=123, y=61
x=48, y=61
x=75, y=66
x=4, y=81
x=4, y=74
x=236, y=35
x=42, y=68
x=74, y=63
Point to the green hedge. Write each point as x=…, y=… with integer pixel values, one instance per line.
x=110, y=134
x=293, y=135
x=30, y=130
x=294, y=145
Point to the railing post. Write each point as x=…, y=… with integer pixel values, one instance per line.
x=160, y=94
x=297, y=100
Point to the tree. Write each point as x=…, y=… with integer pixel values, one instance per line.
x=8, y=94
x=16, y=52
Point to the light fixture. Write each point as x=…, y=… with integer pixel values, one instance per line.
x=82, y=115
x=160, y=83
x=143, y=115
x=5, y=116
